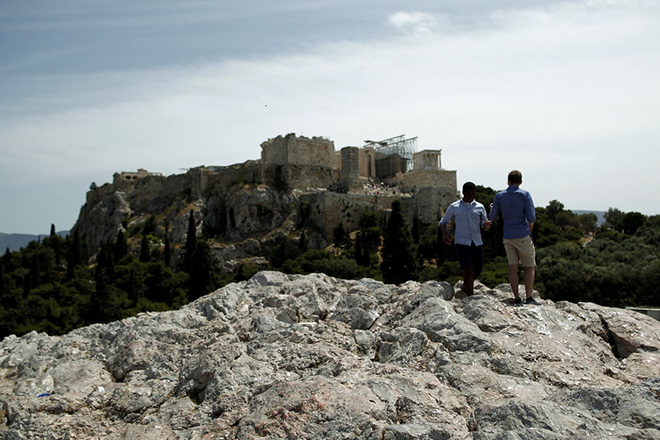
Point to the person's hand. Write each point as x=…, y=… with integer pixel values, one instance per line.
x=487, y=225
x=447, y=238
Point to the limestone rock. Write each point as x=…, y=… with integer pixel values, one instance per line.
x=314, y=357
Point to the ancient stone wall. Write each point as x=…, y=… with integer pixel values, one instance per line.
x=429, y=204
x=329, y=209
x=299, y=150
x=350, y=170
x=429, y=178
x=367, y=162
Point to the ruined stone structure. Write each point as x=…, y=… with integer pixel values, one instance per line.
x=256, y=198
x=132, y=176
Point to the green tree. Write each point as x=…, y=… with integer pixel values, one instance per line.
x=167, y=251
x=416, y=229
x=398, y=252
x=588, y=222
x=121, y=246
x=191, y=243
x=631, y=222
x=340, y=237
x=614, y=219
x=145, y=255
x=553, y=208
x=150, y=226
x=369, y=224
x=203, y=275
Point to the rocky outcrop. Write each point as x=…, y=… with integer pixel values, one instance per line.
x=101, y=220
x=313, y=357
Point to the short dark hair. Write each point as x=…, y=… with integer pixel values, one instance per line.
x=469, y=185
x=515, y=176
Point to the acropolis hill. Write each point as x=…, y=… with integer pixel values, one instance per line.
x=297, y=180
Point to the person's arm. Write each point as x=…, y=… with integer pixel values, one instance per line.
x=494, y=209
x=531, y=212
x=445, y=234
x=485, y=223
x=449, y=215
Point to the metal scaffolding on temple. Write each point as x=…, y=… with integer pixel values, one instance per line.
x=394, y=154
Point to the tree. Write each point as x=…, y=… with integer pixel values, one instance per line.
x=588, y=221
x=362, y=256
x=398, y=252
x=121, y=246
x=416, y=226
x=203, y=274
x=613, y=219
x=167, y=251
x=553, y=208
x=340, y=237
x=631, y=222
x=145, y=256
x=191, y=243
x=150, y=226
x=369, y=224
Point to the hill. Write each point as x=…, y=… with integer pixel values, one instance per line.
x=16, y=241
x=315, y=357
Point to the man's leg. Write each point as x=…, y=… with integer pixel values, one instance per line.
x=529, y=281
x=514, y=280
x=468, y=281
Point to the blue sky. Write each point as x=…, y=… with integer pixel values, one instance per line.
x=567, y=92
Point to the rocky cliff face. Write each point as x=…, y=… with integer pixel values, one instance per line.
x=313, y=357
x=245, y=218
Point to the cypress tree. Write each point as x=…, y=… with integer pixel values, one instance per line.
x=398, y=252
x=121, y=246
x=7, y=261
x=203, y=277
x=167, y=251
x=52, y=230
x=75, y=247
x=416, y=229
x=191, y=243
x=144, y=250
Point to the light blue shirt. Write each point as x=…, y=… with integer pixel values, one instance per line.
x=469, y=219
x=517, y=210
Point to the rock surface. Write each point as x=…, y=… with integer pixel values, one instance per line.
x=314, y=357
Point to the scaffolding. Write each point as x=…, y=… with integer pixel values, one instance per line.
x=393, y=154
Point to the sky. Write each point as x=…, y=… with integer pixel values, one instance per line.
x=566, y=92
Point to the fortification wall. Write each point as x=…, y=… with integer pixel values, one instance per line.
x=429, y=178
x=429, y=204
x=298, y=150
x=330, y=209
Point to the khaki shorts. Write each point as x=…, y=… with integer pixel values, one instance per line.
x=520, y=251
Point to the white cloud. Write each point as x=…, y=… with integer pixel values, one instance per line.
x=415, y=22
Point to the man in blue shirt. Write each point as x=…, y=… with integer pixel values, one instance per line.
x=517, y=209
x=469, y=217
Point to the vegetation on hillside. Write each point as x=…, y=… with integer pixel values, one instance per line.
x=47, y=287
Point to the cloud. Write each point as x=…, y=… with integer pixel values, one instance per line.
x=414, y=22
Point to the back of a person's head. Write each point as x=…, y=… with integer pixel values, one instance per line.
x=515, y=177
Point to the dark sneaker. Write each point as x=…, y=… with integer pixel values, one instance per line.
x=532, y=301
x=517, y=302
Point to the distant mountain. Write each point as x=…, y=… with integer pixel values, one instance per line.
x=16, y=241
x=600, y=214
